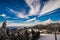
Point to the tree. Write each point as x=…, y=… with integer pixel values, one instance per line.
x=4, y=24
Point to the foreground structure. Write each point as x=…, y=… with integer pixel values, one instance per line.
x=18, y=34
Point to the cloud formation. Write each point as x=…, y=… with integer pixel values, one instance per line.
x=21, y=15
x=35, y=7
x=48, y=21
x=50, y=6
x=36, y=22
x=19, y=24
x=30, y=20
x=3, y=15
x=18, y=14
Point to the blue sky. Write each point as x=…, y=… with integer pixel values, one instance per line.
x=29, y=11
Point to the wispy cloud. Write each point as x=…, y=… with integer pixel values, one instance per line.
x=19, y=24
x=36, y=22
x=50, y=6
x=18, y=14
x=30, y=20
x=13, y=23
x=21, y=15
x=8, y=21
x=26, y=24
x=35, y=7
x=48, y=21
x=4, y=15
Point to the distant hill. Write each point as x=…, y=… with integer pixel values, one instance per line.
x=48, y=27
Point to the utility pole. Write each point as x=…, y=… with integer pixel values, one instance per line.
x=55, y=32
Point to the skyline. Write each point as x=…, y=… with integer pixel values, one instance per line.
x=29, y=12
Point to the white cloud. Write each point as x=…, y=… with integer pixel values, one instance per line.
x=26, y=24
x=34, y=7
x=3, y=15
x=50, y=6
x=30, y=20
x=21, y=15
x=10, y=24
x=35, y=22
x=18, y=14
x=44, y=22
x=8, y=21
x=7, y=17
x=20, y=24
x=47, y=21
x=13, y=23
x=11, y=10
